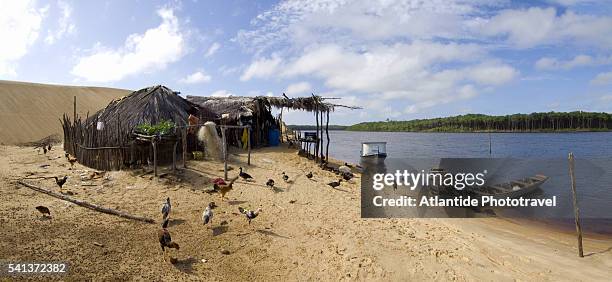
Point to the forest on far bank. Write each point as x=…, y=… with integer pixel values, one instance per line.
x=534, y=122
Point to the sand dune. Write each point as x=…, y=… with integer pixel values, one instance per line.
x=31, y=111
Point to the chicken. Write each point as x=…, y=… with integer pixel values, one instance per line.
x=45, y=150
x=245, y=175
x=347, y=175
x=165, y=240
x=249, y=214
x=43, y=210
x=71, y=160
x=270, y=183
x=309, y=175
x=285, y=177
x=223, y=189
x=335, y=184
x=207, y=215
x=60, y=181
x=166, y=208
x=49, y=147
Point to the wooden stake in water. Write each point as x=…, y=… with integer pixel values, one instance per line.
x=576, y=209
x=490, y=151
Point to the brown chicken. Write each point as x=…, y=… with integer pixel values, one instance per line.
x=71, y=160
x=223, y=189
x=165, y=240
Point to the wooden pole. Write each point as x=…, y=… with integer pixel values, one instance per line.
x=224, y=152
x=86, y=204
x=490, y=151
x=327, y=133
x=154, y=143
x=174, y=156
x=249, y=145
x=320, y=143
x=576, y=209
x=185, y=148
x=316, y=148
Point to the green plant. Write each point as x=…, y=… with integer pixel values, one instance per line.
x=162, y=128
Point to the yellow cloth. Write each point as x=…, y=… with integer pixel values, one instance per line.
x=245, y=138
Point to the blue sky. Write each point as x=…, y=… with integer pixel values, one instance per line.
x=397, y=59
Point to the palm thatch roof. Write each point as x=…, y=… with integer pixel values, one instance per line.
x=148, y=105
x=236, y=106
x=232, y=107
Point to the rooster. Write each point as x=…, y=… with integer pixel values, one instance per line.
x=166, y=208
x=71, y=160
x=43, y=210
x=165, y=240
x=250, y=215
x=207, y=215
x=223, y=189
x=60, y=181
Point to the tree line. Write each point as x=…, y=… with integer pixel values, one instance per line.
x=534, y=122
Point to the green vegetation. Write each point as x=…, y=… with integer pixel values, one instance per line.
x=162, y=128
x=535, y=122
x=313, y=127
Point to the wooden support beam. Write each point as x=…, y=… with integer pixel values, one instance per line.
x=249, y=145
x=327, y=133
x=174, y=157
x=184, y=133
x=576, y=209
x=224, y=141
x=154, y=144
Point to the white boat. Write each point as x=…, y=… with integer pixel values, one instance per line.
x=374, y=149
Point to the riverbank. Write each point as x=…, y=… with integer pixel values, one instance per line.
x=306, y=230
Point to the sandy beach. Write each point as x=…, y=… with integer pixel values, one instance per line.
x=306, y=231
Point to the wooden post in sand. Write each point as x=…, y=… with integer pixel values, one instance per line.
x=327, y=133
x=154, y=157
x=185, y=147
x=249, y=145
x=224, y=152
x=576, y=209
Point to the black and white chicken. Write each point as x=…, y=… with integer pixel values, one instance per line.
x=207, y=215
x=250, y=215
x=285, y=177
x=270, y=183
x=166, y=208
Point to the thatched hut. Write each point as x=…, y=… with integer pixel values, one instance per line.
x=107, y=140
x=236, y=110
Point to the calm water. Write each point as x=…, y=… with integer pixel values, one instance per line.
x=347, y=144
x=531, y=153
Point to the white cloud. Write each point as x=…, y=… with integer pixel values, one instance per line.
x=142, y=53
x=261, y=68
x=570, y=2
x=222, y=93
x=492, y=73
x=298, y=88
x=543, y=26
x=603, y=78
x=64, y=25
x=196, y=77
x=20, y=23
x=212, y=49
x=581, y=60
